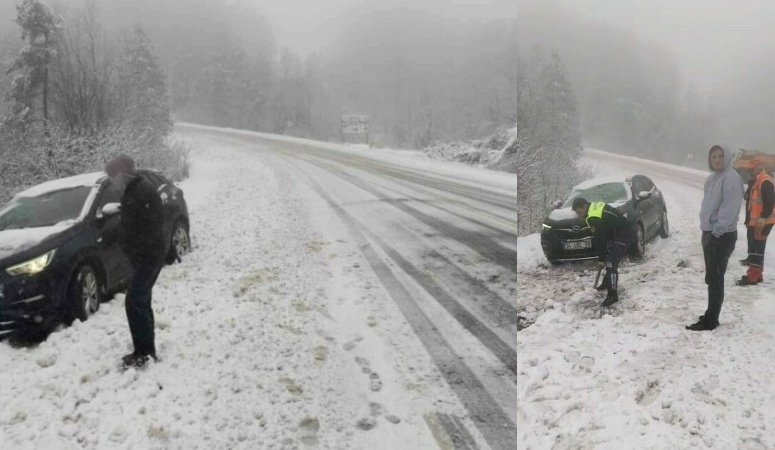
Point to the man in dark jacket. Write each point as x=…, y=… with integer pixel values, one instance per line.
x=760, y=199
x=143, y=242
x=613, y=236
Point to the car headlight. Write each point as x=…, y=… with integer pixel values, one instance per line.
x=32, y=266
x=547, y=227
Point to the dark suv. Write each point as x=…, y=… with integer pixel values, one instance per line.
x=59, y=249
x=566, y=237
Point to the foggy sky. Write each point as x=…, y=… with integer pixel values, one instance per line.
x=313, y=25
x=712, y=39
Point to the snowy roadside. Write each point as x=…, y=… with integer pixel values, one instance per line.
x=635, y=378
x=271, y=334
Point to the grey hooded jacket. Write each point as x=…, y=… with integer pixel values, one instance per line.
x=723, y=197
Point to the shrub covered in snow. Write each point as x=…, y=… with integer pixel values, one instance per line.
x=32, y=157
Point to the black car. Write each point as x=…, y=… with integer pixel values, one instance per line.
x=59, y=250
x=566, y=237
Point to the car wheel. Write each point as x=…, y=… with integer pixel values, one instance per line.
x=84, y=293
x=664, y=232
x=181, y=243
x=639, y=249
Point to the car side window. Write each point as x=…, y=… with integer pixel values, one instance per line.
x=647, y=184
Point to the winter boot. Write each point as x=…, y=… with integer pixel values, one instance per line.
x=136, y=360
x=612, y=298
x=702, y=325
x=746, y=261
x=745, y=281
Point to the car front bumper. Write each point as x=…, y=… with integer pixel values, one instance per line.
x=29, y=301
x=554, y=248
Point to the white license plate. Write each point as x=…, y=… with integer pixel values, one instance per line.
x=581, y=245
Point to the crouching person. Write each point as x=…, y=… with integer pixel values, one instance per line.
x=143, y=243
x=613, y=237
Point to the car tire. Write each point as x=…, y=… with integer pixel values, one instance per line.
x=180, y=242
x=84, y=293
x=664, y=230
x=554, y=262
x=639, y=249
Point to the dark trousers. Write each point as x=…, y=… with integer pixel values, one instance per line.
x=138, y=303
x=615, y=252
x=717, y=251
x=757, y=242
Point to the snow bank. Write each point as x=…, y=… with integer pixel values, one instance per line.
x=631, y=376
x=650, y=168
x=267, y=335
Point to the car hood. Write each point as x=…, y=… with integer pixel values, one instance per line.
x=570, y=216
x=20, y=244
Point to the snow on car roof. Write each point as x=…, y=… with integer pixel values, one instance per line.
x=88, y=179
x=598, y=181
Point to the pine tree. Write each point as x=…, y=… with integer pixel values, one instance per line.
x=143, y=88
x=39, y=27
x=558, y=106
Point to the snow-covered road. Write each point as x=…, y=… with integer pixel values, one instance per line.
x=635, y=378
x=336, y=298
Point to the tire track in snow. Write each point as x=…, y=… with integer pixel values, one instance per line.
x=494, y=424
x=482, y=244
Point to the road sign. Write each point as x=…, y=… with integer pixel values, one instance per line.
x=355, y=128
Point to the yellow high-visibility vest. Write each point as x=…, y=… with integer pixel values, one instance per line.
x=595, y=211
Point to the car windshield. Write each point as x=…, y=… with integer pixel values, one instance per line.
x=44, y=210
x=607, y=192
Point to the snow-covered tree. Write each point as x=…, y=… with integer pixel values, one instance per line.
x=39, y=27
x=143, y=88
x=545, y=151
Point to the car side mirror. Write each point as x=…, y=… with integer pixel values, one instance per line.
x=557, y=204
x=644, y=195
x=110, y=209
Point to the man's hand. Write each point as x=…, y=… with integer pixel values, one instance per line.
x=601, y=264
x=760, y=223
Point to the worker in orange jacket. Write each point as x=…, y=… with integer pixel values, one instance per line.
x=759, y=219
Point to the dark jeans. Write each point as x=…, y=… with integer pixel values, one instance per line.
x=717, y=251
x=138, y=303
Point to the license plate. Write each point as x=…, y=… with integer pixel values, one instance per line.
x=580, y=245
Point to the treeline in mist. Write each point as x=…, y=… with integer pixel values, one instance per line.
x=421, y=78
x=75, y=95
x=632, y=97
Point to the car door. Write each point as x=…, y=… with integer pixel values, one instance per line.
x=646, y=207
x=108, y=239
x=657, y=204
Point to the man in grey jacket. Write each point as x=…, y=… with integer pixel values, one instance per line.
x=718, y=221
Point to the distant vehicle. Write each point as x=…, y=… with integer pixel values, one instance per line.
x=566, y=237
x=60, y=255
